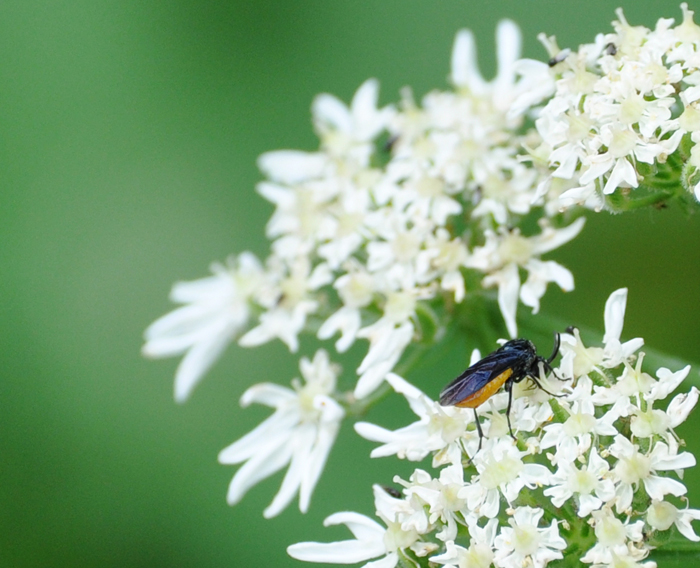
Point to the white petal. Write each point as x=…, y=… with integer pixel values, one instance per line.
x=326, y=435
x=623, y=172
x=268, y=394
x=263, y=464
x=277, y=426
x=199, y=360
x=465, y=70
x=414, y=396
x=657, y=487
x=615, y=315
x=681, y=405
x=389, y=561
x=292, y=166
x=668, y=382
x=362, y=527
x=684, y=526
x=341, y=552
x=508, y=289
x=301, y=441
x=329, y=110
x=551, y=239
x=508, y=40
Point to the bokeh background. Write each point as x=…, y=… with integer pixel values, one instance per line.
x=129, y=132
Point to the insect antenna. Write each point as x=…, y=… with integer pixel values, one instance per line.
x=555, y=352
x=548, y=362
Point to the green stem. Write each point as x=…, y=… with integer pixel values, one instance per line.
x=631, y=204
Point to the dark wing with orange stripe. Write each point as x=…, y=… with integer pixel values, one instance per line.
x=479, y=375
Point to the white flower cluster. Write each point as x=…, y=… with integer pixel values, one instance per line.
x=388, y=220
x=620, y=108
x=393, y=210
x=395, y=230
x=600, y=457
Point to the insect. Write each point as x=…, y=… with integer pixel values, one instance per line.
x=559, y=57
x=514, y=361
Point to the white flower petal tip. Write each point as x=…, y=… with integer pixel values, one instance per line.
x=615, y=308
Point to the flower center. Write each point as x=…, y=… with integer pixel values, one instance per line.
x=583, y=482
x=396, y=538
x=429, y=187
x=357, y=291
x=515, y=248
x=477, y=556
x=661, y=515
x=645, y=424
x=631, y=109
x=631, y=470
x=622, y=143
x=610, y=531
x=399, y=306
x=579, y=127
x=526, y=540
x=499, y=472
x=579, y=423
x=405, y=246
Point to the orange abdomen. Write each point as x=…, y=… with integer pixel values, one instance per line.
x=487, y=391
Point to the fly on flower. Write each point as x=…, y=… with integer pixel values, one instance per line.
x=514, y=361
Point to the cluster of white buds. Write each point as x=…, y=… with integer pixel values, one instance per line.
x=597, y=469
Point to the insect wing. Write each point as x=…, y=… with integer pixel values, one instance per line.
x=478, y=376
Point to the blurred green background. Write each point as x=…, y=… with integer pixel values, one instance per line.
x=129, y=132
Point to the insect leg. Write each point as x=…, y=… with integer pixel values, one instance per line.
x=478, y=428
x=509, y=388
x=534, y=380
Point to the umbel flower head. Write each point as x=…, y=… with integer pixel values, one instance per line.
x=414, y=219
x=598, y=469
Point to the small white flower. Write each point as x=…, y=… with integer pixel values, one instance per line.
x=480, y=553
x=289, y=303
x=442, y=498
x=504, y=253
x=216, y=310
x=348, y=131
x=371, y=539
x=577, y=360
x=573, y=437
x=300, y=433
x=589, y=484
x=662, y=514
x=387, y=343
x=634, y=467
x=615, y=539
x=525, y=543
x=501, y=470
x=438, y=429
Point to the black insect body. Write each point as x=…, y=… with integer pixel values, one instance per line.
x=514, y=361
